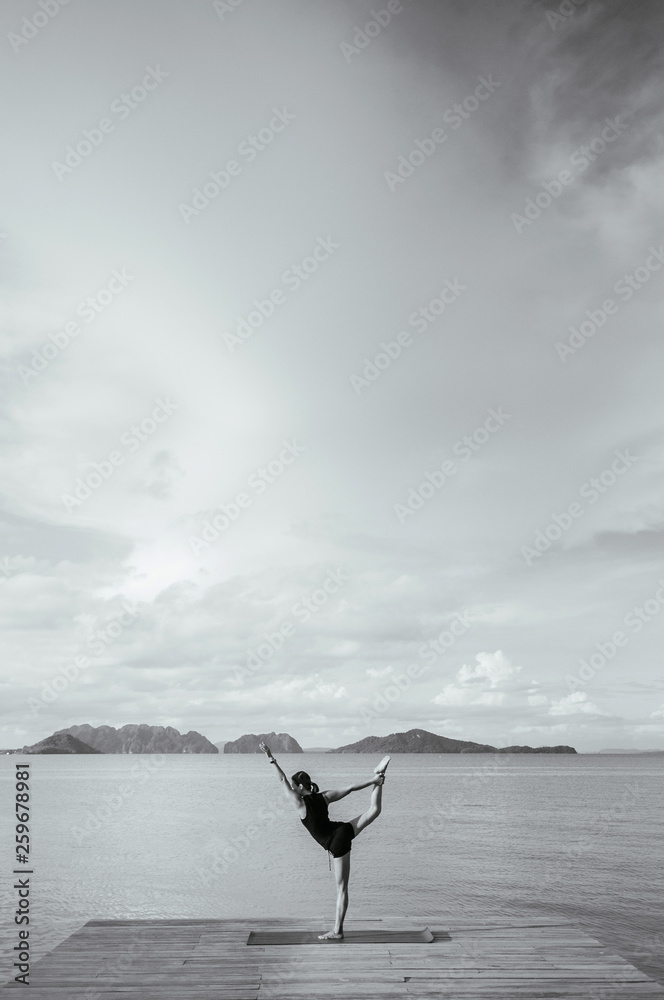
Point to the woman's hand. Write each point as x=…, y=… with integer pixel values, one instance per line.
x=265, y=749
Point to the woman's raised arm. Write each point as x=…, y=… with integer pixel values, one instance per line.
x=286, y=785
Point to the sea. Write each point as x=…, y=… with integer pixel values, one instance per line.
x=481, y=836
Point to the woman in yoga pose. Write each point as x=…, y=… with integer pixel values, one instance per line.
x=334, y=836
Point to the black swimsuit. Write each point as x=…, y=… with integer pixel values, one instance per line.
x=335, y=837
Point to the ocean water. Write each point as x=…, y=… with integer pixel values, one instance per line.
x=576, y=837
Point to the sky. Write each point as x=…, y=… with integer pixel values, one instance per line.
x=331, y=367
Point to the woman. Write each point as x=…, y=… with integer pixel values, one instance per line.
x=335, y=837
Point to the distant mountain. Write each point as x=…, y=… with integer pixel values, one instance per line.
x=317, y=749
x=559, y=748
x=277, y=742
x=414, y=741
x=421, y=741
x=220, y=745
x=630, y=750
x=59, y=743
x=140, y=739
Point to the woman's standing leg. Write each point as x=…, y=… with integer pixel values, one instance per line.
x=342, y=873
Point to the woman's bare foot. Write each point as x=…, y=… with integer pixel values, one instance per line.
x=331, y=936
x=382, y=767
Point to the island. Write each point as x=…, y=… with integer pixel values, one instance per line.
x=164, y=739
x=59, y=743
x=421, y=741
x=277, y=742
x=140, y=739
x=558, y=748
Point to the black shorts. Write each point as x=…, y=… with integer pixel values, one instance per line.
x=339, y=841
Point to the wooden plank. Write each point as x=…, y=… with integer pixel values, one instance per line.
x=486, y=959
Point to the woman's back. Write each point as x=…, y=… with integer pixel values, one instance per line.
x=317, y=820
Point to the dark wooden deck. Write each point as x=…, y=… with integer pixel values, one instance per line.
x=471, y=959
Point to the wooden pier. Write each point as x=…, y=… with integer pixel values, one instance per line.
x=484, y=959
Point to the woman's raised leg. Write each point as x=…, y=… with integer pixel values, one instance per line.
x=373, y=812
x=382, y=767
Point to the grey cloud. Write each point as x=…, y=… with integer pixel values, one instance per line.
x=606, y=59
x=30, y=536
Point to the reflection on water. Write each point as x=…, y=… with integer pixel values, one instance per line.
x=213, y=836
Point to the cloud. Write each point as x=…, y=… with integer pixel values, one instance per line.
x=492, y=666
x=575, y=704
x=375, y=672
x=162, y=475
x=605, y=59
x=287, y=691
x=457, y=556
x=476, y=685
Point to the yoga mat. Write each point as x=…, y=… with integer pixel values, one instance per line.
x=350, y=937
